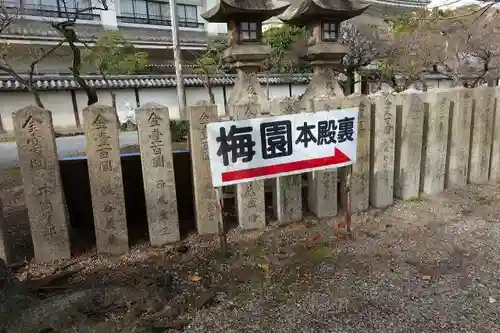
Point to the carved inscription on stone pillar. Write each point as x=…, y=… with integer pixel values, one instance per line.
x=436, y=141
x=38, y=158
x=250, y=196
x=482, y=133
x=360, y=178
x=382, y=150
x=407, y=178
x=206, y=207
x=287, y=194
x=158, y=173
x=322, y=185
x=106, y=180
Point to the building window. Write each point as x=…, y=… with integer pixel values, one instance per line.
x=145, y=12
x=157, y=12
x=249, y=32
x=188, y=16
x=55, y=8
x=330, y=31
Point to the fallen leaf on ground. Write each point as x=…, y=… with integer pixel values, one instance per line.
x=265, y=269
x=426, y=277
x=194, y=278
x=492, y=300
x=315, y=238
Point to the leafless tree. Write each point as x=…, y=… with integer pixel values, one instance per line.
x=209, y=63
x=366, y=44
x=472, y=47
x=66, y=28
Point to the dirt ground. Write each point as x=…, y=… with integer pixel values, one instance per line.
x=428, y=265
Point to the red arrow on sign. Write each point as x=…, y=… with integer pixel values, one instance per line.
x=338, y=158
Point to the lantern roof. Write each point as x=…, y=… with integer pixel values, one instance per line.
x=258, y=10
x=306, y=11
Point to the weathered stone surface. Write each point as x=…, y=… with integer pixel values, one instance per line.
x=495, y=151
x=323, y=86
x=247, y=90
x=106, y=180
x=250, y=196
x=459, y=138
x=409, y=152
x=155, y=141
x=323, y=184
x=45, y=201
x=382, y=150
x=287, y=195
x=482, y=133
x=207, y=210
x=360, y=176
x=435, y=140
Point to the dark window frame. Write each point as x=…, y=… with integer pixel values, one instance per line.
x=254, y=35
x=57, y=11
x=163, y=19
x=330, y=27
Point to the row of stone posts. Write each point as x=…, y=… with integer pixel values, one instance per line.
x=407, y=143
x=45, y=199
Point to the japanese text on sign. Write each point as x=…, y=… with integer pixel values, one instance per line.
x=259, y=148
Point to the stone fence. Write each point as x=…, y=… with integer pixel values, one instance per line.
x=409, y=144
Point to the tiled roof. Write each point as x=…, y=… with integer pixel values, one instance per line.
x=24, y=28
x=140, y=81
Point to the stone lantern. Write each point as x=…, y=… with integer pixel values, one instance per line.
x=323, y=49
x=245, y=52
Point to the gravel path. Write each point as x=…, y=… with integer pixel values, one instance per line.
x=426, y=265
x=423, y=266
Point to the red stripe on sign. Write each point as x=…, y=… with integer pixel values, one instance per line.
x=338, y=158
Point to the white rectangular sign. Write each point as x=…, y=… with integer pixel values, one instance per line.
x=268, y=147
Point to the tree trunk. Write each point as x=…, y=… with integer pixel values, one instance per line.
x=38, y=100
x=349, y=89
x=91, y=92
x=210, y=90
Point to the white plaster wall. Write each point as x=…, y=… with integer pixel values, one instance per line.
x=196, y=94
x=298, y=89
x=61, y=106
x=164, y=96
x=10, y=103
x=125, y=98
x=59, y=103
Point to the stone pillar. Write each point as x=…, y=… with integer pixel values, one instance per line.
x=287, y=194
x=45, y=200
x=482, y=133
x=250, y=196
x=155, y=141
x=106, y=179
x=323, y=184
x=459, y=138
x=207, y=210
x=495, y=151
x=435, y=140
x=408, y=151
x=360, y=176
x=382, y=150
